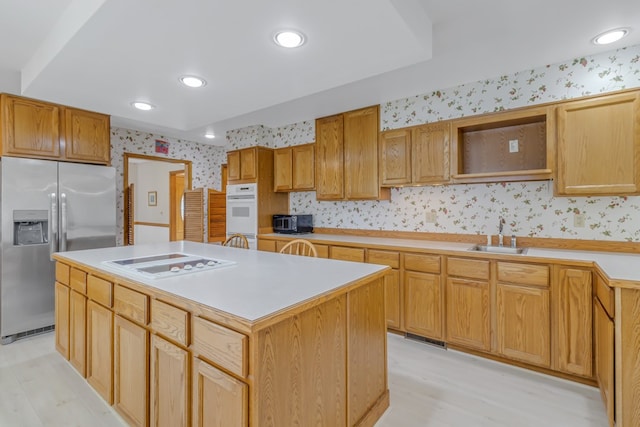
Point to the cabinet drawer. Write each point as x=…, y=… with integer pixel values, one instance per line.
x=606, y=295
x=100, y=290
x=78, y=281
x=62, y=273
x=323, y=250
x=347, y=254
x=471, y=268
x=170, y=322
x=392, y=259
x=423, y=263
x=220, y=345
x=526, y=274
x=131, y=304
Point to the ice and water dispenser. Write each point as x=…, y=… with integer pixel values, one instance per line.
x=30, y=227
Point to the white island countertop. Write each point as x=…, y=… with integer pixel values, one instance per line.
x=259, y=284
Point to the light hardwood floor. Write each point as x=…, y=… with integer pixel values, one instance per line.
x=429, y=387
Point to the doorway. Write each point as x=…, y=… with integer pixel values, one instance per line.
x=157, y=207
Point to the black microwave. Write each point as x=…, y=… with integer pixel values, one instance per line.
x=293, y=224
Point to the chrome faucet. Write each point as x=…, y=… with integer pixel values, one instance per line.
x=500, y=235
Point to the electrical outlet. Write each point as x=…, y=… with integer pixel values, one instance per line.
x=431, y=217
x=513, y=146
x=578, y=220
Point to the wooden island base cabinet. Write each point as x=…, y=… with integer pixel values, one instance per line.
x=166, y=360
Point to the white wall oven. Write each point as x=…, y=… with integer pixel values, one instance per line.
x=242, y=211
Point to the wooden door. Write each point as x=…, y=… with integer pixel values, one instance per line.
x=282, y=169
x=77, y=331
x=574, y=316
x=430, y=154
x=194, y=215
x=304, y=168
x=361, y=154
x=100, y=350
x=30, y=128
x=249, y=164
x=87, y=136
x=218, y=398
x=129, y=215
x=176, y=192
x=329, y=158
x=604, y=348
x=169, y=384
x=131, y=371
x=468, y=313
x=524, y=324
x=423, y=304
x=217, y=215
x=62, y=319
x=599, y=146
x=395, y=157
x=393, y=299
x=233, y=165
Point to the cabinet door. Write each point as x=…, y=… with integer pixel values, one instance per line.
x=130, y=371
x=30, y=128
x=62, y=319
x=574, y=317
x=249, y=164
x=329, y=158
x=233, y=166
x=100, y=350
x=361, y=154
x=524, y=324
x=393, y=299
x=303, y=158
x=87, y=136
x=395, y=157
x=430, y=154
x=423, y=304
x=468, y=319
x=170, y=384
x=599, y=146
x=218, y=398
x=282, y=169
x=604, y=347
x=77, y=331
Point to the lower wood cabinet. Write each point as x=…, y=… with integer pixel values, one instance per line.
x=468, y=313
x=100, y=350
x=603, y=334
x=77, y=331
x=218, y=398
x=423, y=304
x=62, y=319
x=131, y=371
x=170, y=384
x=392, y=285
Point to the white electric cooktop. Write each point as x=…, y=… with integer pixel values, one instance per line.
x=167, y=265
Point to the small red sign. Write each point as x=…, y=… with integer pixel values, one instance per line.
x=162, y=146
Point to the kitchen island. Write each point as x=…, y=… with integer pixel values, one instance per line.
x=269, y=340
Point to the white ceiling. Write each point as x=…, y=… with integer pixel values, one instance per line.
x=103, y=54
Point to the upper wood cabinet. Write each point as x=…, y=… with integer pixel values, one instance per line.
x=242, y=165
x=415, y=156
x=294, y=168
x=347, y=156
x=31, y=128
x=599, y=146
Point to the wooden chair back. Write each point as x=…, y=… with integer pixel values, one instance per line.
x=299, y=247
x=236, y=241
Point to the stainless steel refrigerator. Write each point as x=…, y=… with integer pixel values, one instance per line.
x=46, y=207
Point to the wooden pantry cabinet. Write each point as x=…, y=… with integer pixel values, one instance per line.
x=294, y=168
x=37, y=129
x=347, y=156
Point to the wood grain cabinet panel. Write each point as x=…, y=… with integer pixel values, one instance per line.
x=78, y=281
x=469, y=268
x=100, y=350
x=87, y=136
x=599, y=146
x=77, y=331
x=222, y=346
x=170, y=385
x=62, y=273
x=131, y=304
x=330, y=158
x=574, y=319
x=392, y=285
x=218, y=398
x=468, y=313
x=248, y=164
x=430, y=154
x=294, y=168
x=395, y=157
x=361, y=153
x=282, y=169
x=100, y=290
x=233, y=166
x=131, y=371
x=347, y=254
x=170, y=322
x=604, y=357
x=62, y=319
x=423, y=304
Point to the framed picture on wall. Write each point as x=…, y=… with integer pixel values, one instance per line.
x=152, y=198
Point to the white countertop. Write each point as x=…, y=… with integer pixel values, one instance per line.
x=617, y=266
x=258, y=285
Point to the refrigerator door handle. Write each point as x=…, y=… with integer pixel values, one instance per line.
x=53, y=224
x=63, y=222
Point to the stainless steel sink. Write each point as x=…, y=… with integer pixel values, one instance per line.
x=499, y=249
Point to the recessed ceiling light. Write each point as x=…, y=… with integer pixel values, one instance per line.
x=610, y=36
x=289, y=38
x=209, y=135
x=144, y=106
x=192, y=81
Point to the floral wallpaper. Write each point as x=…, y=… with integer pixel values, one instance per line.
x=529, y=208
x=206, y=161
